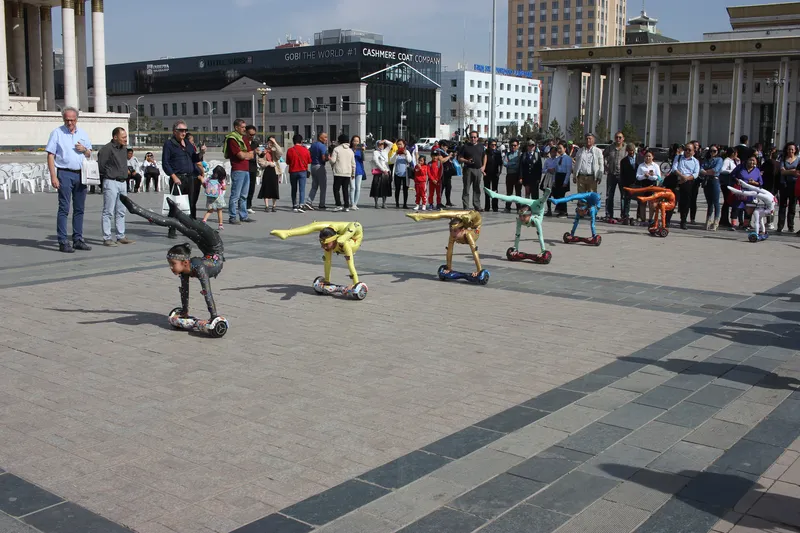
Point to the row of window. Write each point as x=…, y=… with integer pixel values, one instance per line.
x=565, y=15
x=502, y=115
x=503, y=86
x=554, y=4
x=184, y=109
x=503, y=101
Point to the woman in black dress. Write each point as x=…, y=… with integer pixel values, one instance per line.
x=270, y=179
x=381, y=175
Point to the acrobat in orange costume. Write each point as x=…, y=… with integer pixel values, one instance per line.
x=661, y=201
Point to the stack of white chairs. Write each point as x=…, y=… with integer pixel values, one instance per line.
x=16, y=175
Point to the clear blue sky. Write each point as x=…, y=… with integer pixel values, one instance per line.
x=151, y=29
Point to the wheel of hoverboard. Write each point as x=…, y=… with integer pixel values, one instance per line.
x=567, y=237
x=483, y=277
x=545, y=257
x=597, y=240
x=753, y=237
x=663, y=232
x=172, y=313
x=441, y=273
x=360, y=291
x=219, y=329
x=510, y=254
x=319, y=282
x=653, y=231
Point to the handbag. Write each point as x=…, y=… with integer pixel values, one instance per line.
x=90, y=172
x=180, y=199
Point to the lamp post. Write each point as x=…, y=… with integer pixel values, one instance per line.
x=210, y=118
x=774, y=82
x=488, y=113
x=313, y=110
x=136, y=140
x=402, y=118
x=263, y=91
x=494, y=69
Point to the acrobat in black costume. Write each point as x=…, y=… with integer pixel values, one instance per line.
x=182, y=264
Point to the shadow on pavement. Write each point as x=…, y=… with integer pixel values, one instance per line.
x=403, y=276
x=768, y=380
x=126, y=317
x=713, y=492
x=49, y=245
x=778, y=334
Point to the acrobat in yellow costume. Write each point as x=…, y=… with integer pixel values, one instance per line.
x=340, y=237
x=465, y=228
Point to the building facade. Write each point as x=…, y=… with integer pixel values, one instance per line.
x=28, y=110
x=643, y=30
x=352, y=88
x=536, y=25
x=466, y=100
x=712, y=90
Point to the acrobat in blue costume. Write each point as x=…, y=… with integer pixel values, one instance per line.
x=588, y=203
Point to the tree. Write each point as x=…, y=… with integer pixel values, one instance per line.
x=464, y=112
x=630, y=133
x=601, y=132
x=575, y=130
x=145, y=123
x=513, y=131
x=554, y=130
x=528, y=130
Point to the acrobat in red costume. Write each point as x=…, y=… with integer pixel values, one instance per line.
x=421, y=174
x=662, y=200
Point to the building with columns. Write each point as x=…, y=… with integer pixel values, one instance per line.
x=742, y=82
x=28, y=110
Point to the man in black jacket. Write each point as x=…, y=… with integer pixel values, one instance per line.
x=492, y=167
x=530, y=169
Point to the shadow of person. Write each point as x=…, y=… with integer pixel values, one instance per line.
x=403, y=276
x=288, y=291
x=125, y=317
x=49, y=245
x=745, y=374
x=789, y=316
x=713, y=492
x=790, y=298
x=778, y=334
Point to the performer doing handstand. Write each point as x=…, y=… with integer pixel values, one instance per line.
x=588, y=204
x=529, y=213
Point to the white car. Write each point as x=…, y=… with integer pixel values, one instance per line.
x=426, y=143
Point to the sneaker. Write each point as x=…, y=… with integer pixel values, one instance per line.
x=307, y=206
x=383, y=205
x=250, y=211
x=125, y=240
x=220, y=227
x=109, y=243
x=235, y=222
x=299, y=210
x=423, y=207
x=507, y=210
x=248, y=220
x=771, y=227
x=295, y=210
x=346, y=209
x=80, y=245
x=322, y=207
x=416, y=208
x=354, y=208
x=65, y=248
x=683, y=224
x=337, y=209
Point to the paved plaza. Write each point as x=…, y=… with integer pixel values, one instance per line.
x=648, y=385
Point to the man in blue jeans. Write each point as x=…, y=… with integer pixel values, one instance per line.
x=319, y=174
x=67, y=148
x=237, y=150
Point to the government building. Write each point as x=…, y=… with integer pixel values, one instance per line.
x=739, y=82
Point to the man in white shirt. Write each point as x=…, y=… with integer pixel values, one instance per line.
x=588, y=169
x=133, y=172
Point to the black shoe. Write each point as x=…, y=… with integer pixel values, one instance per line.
x=66, y=248
x=322, y=207
x=405, y=206
x=235, y=222
x=683, y=224
x=248, y=219
x=548, y=214
x=80, y=245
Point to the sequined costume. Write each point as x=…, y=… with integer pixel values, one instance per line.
x=661, y=200
x=465, y=228
x=348, y=240
x=590, y=204
x=764, y=204
x=537, y=209
x=207, y=239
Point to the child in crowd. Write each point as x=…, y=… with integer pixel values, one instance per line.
x=435, y=172
x=421, y=176
x=215, y=194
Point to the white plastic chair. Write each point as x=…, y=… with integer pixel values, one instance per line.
x=5, y=184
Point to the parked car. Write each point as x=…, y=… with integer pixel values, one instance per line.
x=426, y=143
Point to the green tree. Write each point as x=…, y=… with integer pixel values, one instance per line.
x=513, y=131
x=528, y=129
x=575, y=130
x=145, y=123
x=554, y=130
x=630, y=133
x=601, y=132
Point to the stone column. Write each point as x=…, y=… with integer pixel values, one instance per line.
x=747, y=99
x=558, y=98
x=735, y=124
x=665, y=106
x=70, y=60
x=705, y=132
x=693, y=104
x=20, y=71
x=80, y=51
x=35, y=53
x=362, y=113
x=783, y=95
x=99, y=57
x=612, y=113
x=48, y=68
x=629, y=94
x=437, y=113
x=4, y=103
x=574, y=97
x=791, y=124
x=651, y=118
x=594, y=98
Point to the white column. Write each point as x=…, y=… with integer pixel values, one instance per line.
x=747, y=99
x=594, y=97
x=437, y=115
x=35, y=53
x=651, y=119
x=629, y=94
x=362, y=113
x=48, y=69
x=574, y=97
x=558, y=98
x=3, y=59
x=791, y=125
x=693, y=104
x=612, y=84
x=783, y=95
x=18, y=42
x=735, y=125
x=80, y=51
x=705, y=133
x=665, y=105
x=99, y=56
x=70, y=60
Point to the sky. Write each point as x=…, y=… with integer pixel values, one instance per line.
x=459, y=30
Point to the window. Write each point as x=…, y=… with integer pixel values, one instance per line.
x=214, y=108
x=453, y=98
x=590, y=39
x=175, y=109
x=380, y=105
x=453, y=83
x=452, y=113
x=501, y=86
x=472, y=98
x=260, y=105
x=543, y=17
x=295, y=105
x=578, y=38
x=542, y=40
x=152, y=110
x=529, y=103
x=369, y=105
x=472, y=83
x=295, y=129
x=332, y=102
x=480, y=99
x=119, y=109
x=417, y=106
x=319, y=101
x=283, y=105
x=516, y=88
x=674, y=88
x=501, y=100
x=516, y=115
x=225, y=110
x=660, y=89
x=479, y=113
x=757, y=88
x=307, y=131
x=183, y=108
x=714, y=88
x=590, y=26
x=166, y=110
x=271, y=106
x=566, y=14
x=555, y=15
x=501, y=114
x=480, y=86
x=591, y=13
x=345, y=103
x=516, y=101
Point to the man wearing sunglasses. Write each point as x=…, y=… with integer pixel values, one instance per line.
x=179, y=161
x=614, y=156
x=471, y=157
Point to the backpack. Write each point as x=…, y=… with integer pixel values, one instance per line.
x=213, y=188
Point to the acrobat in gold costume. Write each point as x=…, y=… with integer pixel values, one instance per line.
x=340, y=237
x=465, y=228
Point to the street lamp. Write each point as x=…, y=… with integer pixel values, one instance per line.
x=313, y=110
x=402, y=117
x=263, y=91
x=494, y=69
x=136, y=140
x=210, y=118
x=488, y=113
x=774, y=82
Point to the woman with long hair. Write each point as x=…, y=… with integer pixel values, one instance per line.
x=355, y=183
x=270, y=179
x=381, y=187
x=403, y=170
x=788, y=179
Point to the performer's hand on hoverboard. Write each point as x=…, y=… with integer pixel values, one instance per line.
x=282, y=234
